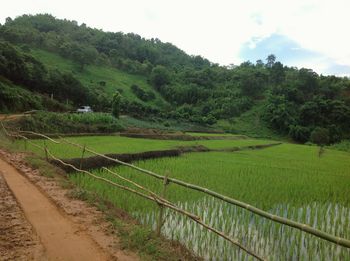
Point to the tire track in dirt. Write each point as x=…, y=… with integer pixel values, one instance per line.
x=17, y=238
x=61, y=238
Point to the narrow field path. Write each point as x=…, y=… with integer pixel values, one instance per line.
x=60, y=237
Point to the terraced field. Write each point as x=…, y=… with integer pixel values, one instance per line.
x=117, y=144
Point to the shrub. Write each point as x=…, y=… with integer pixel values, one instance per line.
x=141, y=94
x=299, y=133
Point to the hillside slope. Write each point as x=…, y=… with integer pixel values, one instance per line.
x=75, y=65
x=100, y=77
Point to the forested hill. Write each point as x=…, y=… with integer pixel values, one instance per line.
x=47, y=63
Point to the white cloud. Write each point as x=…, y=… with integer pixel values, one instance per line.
x=319, y=26
x=215, y=29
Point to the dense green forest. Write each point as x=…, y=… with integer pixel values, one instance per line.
x=57, y=65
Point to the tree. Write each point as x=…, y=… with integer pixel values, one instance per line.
x=280, y=112
x=277, y=74
x=299, y=133
x=270, y=60
x=116, y=104
x=160, y=76
x=84, y=55
x=259, y=63
x=8, y=20
x=320, y=136
x=252, y=81
x=307, y=82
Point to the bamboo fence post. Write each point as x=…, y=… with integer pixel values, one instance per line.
x=46, y=154
x=161, y=207
x=82, y=156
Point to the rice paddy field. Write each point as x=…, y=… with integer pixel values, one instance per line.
x=288, y=180
x=293, y=181
x=118, y=144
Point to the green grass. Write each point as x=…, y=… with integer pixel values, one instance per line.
x=93, y=74
x=287, y=180
x=117, y=144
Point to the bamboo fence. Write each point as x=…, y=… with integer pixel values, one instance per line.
x=161, y=201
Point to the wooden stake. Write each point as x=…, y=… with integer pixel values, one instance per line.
x=46, y=154
x=82, y=157
x=161, y=207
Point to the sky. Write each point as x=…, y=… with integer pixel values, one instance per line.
x=302, y=33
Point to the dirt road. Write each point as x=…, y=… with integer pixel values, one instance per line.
x=61, y=238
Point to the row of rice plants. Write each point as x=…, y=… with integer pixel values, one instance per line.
x=269, y=239
x=287, y=180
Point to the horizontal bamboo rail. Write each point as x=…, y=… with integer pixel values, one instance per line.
x=303, y=227
x=40, y=135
